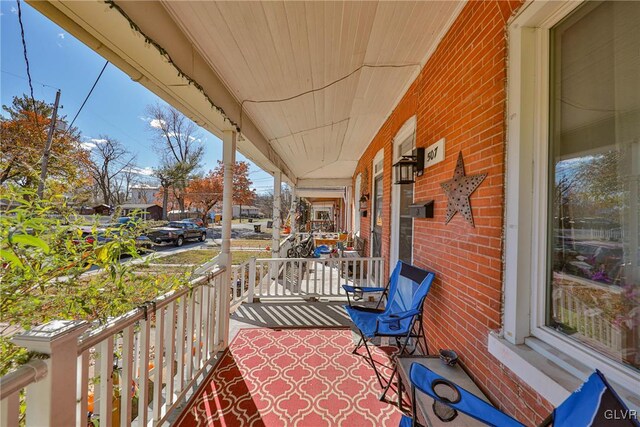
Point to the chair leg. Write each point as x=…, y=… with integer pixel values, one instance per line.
x=373, y=363
x=355, y=350
x=395, y=367
x=383, y=396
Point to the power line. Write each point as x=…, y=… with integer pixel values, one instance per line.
x=26, y=60
x=88, y=95
x=24, y=78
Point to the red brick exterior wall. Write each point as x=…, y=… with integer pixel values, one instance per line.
x=460, y=95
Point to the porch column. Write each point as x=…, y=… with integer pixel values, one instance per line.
x=277, y=187
x=229, y=160
x=293, y=210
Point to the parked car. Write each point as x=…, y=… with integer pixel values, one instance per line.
x=197, y=221
x=177, y=232
x=142, y=242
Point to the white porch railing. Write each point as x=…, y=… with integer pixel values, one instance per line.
x=279, y=278
x=586, y=319
x=132, y=370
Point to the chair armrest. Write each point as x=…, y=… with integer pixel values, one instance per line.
x=399, y=316
x=354, y=289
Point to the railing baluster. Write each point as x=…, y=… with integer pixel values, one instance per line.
x=198, y=328
x=213, y=290
x=252, y=280
x=189, y=350
x=10, y=410
x=180, y=339
x=106, y=381
x=300, y=278
x=315, y=276
x=170, y=349
x=285, y=271
x=324, y=265
x=82, y=389
x=309, y=266
x=127, y=376
x=331, y=272
x=143, y=373
x=158, y=365
x=205, y=321
x=243, y=281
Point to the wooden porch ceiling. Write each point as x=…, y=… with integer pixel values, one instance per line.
x=279, y=50
x=335, y=70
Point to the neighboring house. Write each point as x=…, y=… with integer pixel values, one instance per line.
x=101, y=209
x=246, y=211
x=143, y=194
x=146, y=211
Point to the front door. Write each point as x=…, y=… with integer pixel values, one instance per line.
x=376, y=233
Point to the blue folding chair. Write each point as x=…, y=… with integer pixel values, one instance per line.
x=401, y=317
x=594, y=403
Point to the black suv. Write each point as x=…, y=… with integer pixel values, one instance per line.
x=177, y=232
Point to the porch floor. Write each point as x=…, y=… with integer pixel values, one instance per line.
x=289, y=363
x=288, y=315
x=292, y=377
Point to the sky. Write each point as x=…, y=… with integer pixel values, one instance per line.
x=117, y=106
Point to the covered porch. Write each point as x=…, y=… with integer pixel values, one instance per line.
x=328, y=97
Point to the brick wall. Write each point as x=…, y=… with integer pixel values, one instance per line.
x=460, y=96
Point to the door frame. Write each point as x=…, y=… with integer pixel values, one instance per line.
x=378, y=159
x=407, y=130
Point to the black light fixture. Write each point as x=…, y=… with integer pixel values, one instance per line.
x=409, y=166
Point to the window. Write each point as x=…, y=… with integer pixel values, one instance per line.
x=593, y=266
x=572, y=263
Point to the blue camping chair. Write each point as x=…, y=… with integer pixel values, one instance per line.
x=585, y=407
x=401, y=317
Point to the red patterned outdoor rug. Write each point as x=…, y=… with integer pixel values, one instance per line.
x=293, y=377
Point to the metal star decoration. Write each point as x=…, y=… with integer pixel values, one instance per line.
x=458, y=189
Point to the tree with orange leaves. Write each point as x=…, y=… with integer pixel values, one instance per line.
x=23, y=135
x=205, y=192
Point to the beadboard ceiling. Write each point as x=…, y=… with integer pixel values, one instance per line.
x=317, y=78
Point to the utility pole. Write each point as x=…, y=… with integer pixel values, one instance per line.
x=47, y=146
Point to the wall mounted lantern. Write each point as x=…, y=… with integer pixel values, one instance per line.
x=409, y=166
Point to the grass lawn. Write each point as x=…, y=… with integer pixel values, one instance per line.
x=200, y=256
x=250, y=243
x=196, y=256
x=238, y=257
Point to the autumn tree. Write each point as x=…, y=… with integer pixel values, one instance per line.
x=111, y=170
x=23, y=134
x=206, y=192
x=180, y=148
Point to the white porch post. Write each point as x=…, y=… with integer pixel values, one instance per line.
x=52, y=399
x=277, y=187
x=229, y=160
x=293, y=210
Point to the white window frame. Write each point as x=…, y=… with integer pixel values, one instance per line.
x=526, y=182
x=407, y=130
x=377, y=160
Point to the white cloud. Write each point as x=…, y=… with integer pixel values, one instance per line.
x=88, y=145
x=155, y=123
x=146, y=171
x=61, y=36
x=14, y=10
x=98, y=140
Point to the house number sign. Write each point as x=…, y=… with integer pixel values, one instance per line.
x=434, y=154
